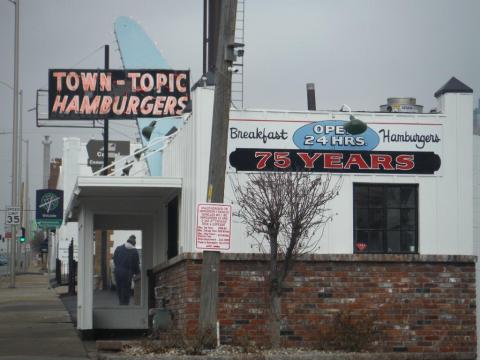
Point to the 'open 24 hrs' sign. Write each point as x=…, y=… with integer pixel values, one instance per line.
x=214, y=222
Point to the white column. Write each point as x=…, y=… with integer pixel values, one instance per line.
x=85, y=271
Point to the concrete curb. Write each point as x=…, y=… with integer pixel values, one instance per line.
x=302, y=356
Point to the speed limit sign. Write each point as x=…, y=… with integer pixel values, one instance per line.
x=12, y=216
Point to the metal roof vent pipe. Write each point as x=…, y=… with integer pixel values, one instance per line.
x=401, y=105
x=311, y=97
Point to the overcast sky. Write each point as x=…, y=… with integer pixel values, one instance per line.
x=357, y=52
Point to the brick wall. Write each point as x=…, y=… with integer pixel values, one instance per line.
x=422, y=303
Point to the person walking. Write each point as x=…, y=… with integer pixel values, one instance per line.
x=127, y=265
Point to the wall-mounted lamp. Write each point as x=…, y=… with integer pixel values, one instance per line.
x=354, y=126
x=147, y=130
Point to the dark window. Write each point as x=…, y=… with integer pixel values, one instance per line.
x=172, y=228
x=385, y=218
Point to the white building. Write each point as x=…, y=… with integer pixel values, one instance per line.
x=407, y=187
x=440, y=220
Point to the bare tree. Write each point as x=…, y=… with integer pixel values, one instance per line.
x=285, y=212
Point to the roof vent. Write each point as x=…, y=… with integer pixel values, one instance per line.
x=401, y=105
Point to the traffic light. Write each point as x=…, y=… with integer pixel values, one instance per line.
x=22, y=236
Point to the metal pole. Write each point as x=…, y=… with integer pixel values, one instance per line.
x=46, y=160
x=20, y=147
x=19, y=174
x=27, y=202
x=104, y=233
x=214, y=8
x=205, y=9
x=14, y=142
x=19, y=246
x=46, y=174
x=105, y=123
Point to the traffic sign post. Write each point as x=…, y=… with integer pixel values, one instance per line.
x=12, y=219
x=12, y=215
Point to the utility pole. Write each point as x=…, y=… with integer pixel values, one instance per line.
x=104, y=240
x=218, y=156
x=15, y=142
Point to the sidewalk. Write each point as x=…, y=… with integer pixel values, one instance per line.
x=34, y=323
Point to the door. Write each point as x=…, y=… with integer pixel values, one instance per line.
x=122, y=253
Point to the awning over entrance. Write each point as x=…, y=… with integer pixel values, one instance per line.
x=108, y=187
x=104, y=203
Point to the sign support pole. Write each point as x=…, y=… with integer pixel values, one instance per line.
x=105, y=122
x=218, y=156
x=104, y=233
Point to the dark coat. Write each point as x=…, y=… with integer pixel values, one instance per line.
x=127, y=261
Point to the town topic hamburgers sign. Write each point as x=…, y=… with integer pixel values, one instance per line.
x=117, y=94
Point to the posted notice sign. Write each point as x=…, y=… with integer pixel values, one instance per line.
x=214, y=226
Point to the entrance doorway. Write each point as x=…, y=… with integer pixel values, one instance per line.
x=107, y=292
x=111, y=232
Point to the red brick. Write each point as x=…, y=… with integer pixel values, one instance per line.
x=416, y=304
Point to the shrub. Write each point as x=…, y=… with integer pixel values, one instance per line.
x=205, y=339
x=350, y=331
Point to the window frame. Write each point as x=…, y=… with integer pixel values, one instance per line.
x=384, y=207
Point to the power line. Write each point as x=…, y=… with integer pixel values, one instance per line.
x=121, y=132
x=87, y=56
x=78, y=62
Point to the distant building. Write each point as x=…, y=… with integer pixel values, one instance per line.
x=476, y=119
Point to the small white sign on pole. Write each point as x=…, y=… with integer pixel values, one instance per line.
x=12, y=216
x=214, y=226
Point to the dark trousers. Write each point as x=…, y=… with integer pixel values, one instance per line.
x=124, y=286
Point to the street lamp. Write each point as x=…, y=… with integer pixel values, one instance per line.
x=17, y=132
x=14, y=136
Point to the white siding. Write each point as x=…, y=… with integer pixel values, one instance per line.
x=476, y=218
x=70, y=170
x=187, y=156
x=445, y=200
x=476, y=194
